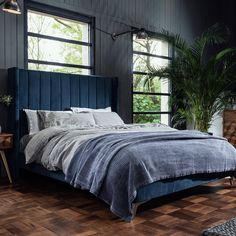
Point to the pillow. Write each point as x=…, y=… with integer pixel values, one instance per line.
x=32, y=120
x=107, y=119
x=80, y=109
x=51, y=119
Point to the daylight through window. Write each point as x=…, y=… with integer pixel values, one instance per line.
x=58, y=44
x=150, y=95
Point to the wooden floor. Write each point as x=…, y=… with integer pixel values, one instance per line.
x=40, y=206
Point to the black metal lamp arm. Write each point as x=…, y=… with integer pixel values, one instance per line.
x=115, y=35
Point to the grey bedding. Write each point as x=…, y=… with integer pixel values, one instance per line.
x=24, y=141
x=113, y=165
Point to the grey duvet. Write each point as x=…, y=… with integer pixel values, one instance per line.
x=113, y=166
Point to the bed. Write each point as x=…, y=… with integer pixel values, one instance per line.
x=57, y=91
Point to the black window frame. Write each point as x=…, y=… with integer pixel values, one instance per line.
x=170, y=58
x=67, y=14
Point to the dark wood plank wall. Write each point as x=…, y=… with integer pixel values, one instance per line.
x=187, y=17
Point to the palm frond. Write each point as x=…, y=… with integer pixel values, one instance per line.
x=173, y=39
x=216, y=34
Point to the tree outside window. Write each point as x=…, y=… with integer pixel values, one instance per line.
x=150, y=95
x=58, y=44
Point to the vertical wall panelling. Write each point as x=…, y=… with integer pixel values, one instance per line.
x=9, y=32
x=3, y=88
x=20, y=38
x=98, y=48
x=2, y=41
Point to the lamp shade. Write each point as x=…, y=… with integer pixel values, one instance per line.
x=141, y=34
x=11, y=6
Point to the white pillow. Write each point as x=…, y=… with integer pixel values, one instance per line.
x=107, y=119
x=51, y=119
x=83, y=109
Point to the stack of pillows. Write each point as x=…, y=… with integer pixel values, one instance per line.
x=75, y=116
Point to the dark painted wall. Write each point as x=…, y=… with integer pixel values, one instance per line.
x=3, y=88
x=187, y=17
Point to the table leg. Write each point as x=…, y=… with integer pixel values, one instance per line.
x=6, y=165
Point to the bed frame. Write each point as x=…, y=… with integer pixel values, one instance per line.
x=58, y=91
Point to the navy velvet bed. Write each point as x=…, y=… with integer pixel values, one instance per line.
x=58, y=91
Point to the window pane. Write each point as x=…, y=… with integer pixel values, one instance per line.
x=142, y=63
x=58, y=27
x=146, y=118
x=144, y=83
x=55, y=51
x=150, y=103
x=61, y=69
x=151, y=118
x=151, y=46
x=165, y=119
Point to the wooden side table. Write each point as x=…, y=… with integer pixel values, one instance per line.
x=6, y=142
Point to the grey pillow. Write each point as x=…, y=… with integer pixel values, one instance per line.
x=107, y=119
x=32, y=120
x=50, y=119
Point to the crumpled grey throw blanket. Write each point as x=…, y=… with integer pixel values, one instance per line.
x=114, y=166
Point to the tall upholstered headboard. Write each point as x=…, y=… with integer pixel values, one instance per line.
x=55, y=91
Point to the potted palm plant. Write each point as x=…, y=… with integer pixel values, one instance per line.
x=201, y=84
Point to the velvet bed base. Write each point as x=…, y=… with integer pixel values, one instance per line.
x=147, y=192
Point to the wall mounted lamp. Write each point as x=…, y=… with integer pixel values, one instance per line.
x=140, y=33
x=11, y=6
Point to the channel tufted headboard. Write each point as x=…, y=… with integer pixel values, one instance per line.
x=55, y=91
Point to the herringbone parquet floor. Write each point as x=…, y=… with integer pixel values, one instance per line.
x=40, y=206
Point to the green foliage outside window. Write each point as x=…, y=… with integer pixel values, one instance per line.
x=145, y=83
x=146, y=118
x=40, y=49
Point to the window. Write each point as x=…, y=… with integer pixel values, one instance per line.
x=150, y=95
x=59, y=43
